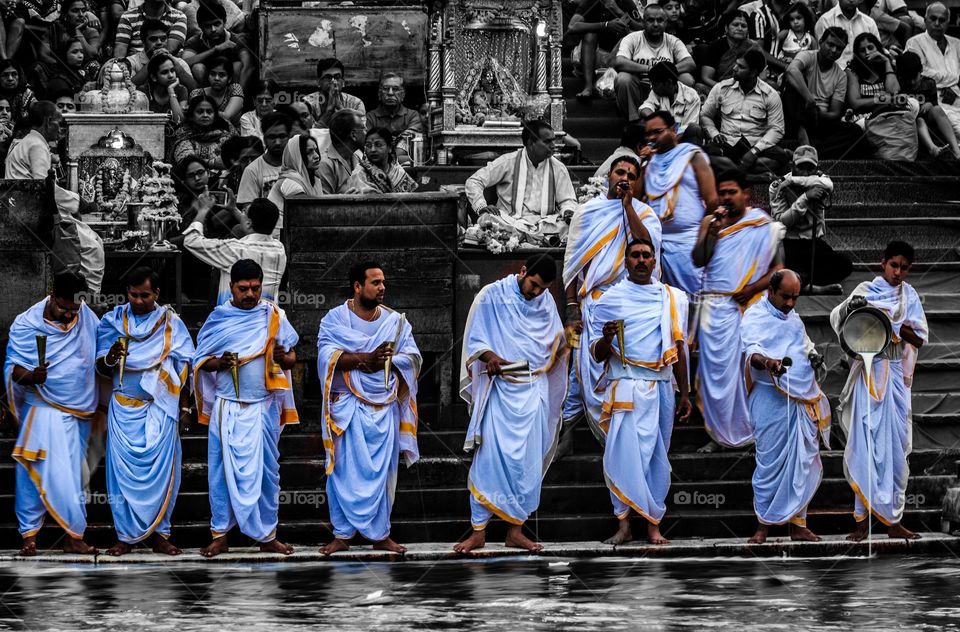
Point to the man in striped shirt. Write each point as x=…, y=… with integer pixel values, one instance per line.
x=259, y=246
x=128, y=39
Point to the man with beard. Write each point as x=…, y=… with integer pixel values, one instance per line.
x=593, y=263
x=243, y=391
x=368, y=363
x=787, y=412
x=514, y=414
x=639, y=405
x=149, y=395
x=260, y=175
x=52, y=394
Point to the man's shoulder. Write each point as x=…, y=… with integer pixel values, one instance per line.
x=766, y=88
x=686, y=94
x=175, y=14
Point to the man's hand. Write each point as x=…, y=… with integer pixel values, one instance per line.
x=749, y=160
x=227, y=44
x=720, y=139
x=227, y=361
x=620, y=26
x=646, y=153
x=857, y=302
x=495, y=365
x=116, y=352
x=742, y=297
x=775, y=367
x=816, y=193
x=375, y=360
x=610, y=330
x=684, y=408
x=490, y=209
x=40, y=374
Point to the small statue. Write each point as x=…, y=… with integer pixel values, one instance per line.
x=117, y=94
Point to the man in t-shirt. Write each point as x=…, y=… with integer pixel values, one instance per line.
x=330, y=98
x=128, y=39
x=814, y=101
x=215, y=41
x=154, y=35
x=599, y=25
x=638, y=53
x=260, y=175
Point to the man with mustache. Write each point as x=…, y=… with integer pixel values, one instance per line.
x=243, y=391
x=368, y=363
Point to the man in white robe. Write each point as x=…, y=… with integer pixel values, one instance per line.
x=598, y=237
x=514, y=414
x=679, y=185
x=738, y=249
x=53, y=399
x=531, y=184
x=787, y=408
x=148, y=399
x=940, y=55
x=242, y=384
x=639, y=403
x=369, y=409
x=875, y=411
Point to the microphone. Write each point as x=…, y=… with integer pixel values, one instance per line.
x=787, y=362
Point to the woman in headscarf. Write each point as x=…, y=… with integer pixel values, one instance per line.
x=14, y=88
x=298, y=174
x=202, y=133
x=378, y=171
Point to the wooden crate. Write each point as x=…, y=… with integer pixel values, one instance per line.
x=368, y=40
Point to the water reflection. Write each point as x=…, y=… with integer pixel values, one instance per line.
x=497, y=595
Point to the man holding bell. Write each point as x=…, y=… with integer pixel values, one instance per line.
x=514, y=380
x=243, y=391
x=638, y=328
x=787, y=409
x=52, y=393
x=368, y=363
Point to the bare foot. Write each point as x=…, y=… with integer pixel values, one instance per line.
x=710, y=448
x=860, y=533
x=337, y=545
x=900, y=531
x=760, y=536
x=587, y=93
x=118, y=549
x=516, y=539
x=215, y=548
x=77, y=545
x=654, y=536
x=623, y=534
x=163, y=545
x=275, y=546
x=803, y=534
x=29, y=548
x=477, y=540
x=389, y=545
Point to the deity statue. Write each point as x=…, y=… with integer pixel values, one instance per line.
x=116, y=93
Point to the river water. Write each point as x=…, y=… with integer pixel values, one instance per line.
x=917, y=593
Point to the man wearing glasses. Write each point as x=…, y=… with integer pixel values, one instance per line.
x=391, y=113
x=53, y=397
x=330, y=98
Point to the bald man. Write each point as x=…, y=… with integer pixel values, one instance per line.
x=940, y=55
x=787, y=408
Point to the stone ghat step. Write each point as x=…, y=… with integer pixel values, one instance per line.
x=923, y=492
x=937, y=209
x=685, y=523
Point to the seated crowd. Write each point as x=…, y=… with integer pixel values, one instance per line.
x=855, y=79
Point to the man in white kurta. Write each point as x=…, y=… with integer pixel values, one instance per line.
x=738, y=249
x=875, y=410
x=678, y=183
x=787, y=408
x=369, y=409
x=53, y=401
x=243, y=391
x=148, y=400
x=514, y=414
x=530, y=182
x=940, y=55
x=639, y=402
x=598, y=236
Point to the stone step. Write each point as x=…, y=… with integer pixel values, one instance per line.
x=557, y=528
x=878, y=211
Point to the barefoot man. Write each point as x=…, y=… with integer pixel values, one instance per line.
x=243, y=390
x=787, y=408
x=593, y=262
x=369, y=416
x=639, y=404
x=53, y=401
x=738, y=249
x=876, y=466
x=514, y=414
x=143, y=445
